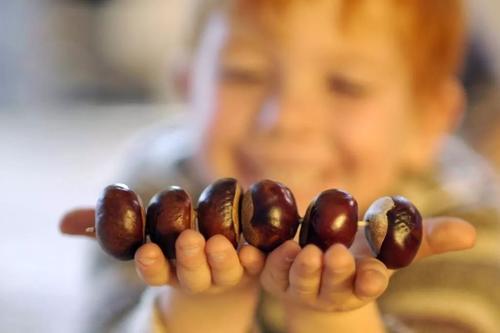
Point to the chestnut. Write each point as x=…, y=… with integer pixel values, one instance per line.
x=332, y=217
x=119, y=221
x=169, y=213
x=394, y=230
x=219, y=210
x=269, y=215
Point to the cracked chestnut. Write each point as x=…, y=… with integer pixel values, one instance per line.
x=219, y=210
x=394, y=230
x=332, y=217
x=269, y=215
x=119, y=221
x=169, y=213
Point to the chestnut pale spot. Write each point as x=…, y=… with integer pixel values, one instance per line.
x=275, y=217
x=376, y=216
x=401, y=231
x=129, y=220
x=225, y=210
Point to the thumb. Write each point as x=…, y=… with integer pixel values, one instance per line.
x=445, y=234
x=77, y=222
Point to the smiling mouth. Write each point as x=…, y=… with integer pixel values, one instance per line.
x=254, y=167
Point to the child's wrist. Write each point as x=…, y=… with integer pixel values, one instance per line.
x=183, y=312
x=303, y=318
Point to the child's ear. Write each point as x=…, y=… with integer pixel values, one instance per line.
x=441, y=113
x=452, y=102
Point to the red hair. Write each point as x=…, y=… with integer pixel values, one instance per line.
x=432, y=33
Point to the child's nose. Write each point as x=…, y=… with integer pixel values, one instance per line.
x=287, y=115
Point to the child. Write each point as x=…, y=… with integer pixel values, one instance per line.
x=356, y=95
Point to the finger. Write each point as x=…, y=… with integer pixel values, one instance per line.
x=445, y=234
x=274, y=277
x=151, y=265
x=252, y=259
x=193, y=271
x=305, y=273
x=338, y=272
x=223, y=260
x=372, y=278
x=77, y=222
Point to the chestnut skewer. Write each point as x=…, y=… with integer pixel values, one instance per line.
x=266, y=215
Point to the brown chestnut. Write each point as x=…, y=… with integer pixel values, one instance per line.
x=332, y=217
x=219, y=210
x=269, y=215
x=169, y=213
x=394, y=230
x=119, y=221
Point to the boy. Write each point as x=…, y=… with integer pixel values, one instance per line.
x=356, y=95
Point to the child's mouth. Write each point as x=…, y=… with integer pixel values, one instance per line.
x=292, y=171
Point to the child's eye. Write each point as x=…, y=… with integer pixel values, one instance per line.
x=344, y=86
x=243, y=76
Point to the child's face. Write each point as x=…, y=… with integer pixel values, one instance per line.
x=307, y=103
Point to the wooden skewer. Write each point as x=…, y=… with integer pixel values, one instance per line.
x=362, y=223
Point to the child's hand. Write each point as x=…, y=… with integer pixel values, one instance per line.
x=330, y=281
x=344, y=280
x=201, y=266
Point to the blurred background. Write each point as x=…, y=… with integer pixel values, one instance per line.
x=79, y=81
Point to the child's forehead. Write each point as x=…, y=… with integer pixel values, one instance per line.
x=273, y=16
x=315, y=25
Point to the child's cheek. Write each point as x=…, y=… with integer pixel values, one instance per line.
x=233, y=116
x=369, y=147
x=227, y=126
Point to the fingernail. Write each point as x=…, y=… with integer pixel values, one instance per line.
x=190, y=250
x=373, y=283
x=147, y=261
x=217, y=256
x=377, y=278
x=340, y=270
x=291, y=257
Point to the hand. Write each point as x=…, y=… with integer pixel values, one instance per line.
x=344, y=280
x=201, y=266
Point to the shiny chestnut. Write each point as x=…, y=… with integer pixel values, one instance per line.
x=119, y=221
x=332, y=217
x=269, y=215
x=394, y=230
x=169, y=213
x=218, y=210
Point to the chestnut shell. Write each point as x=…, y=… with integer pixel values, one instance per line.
x=269, y=215
x=332, y=217
x=219, y=210
x=169, y=213
x=394, y=230
x=119, y=221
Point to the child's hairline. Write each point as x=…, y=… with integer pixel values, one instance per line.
x=454, y=63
